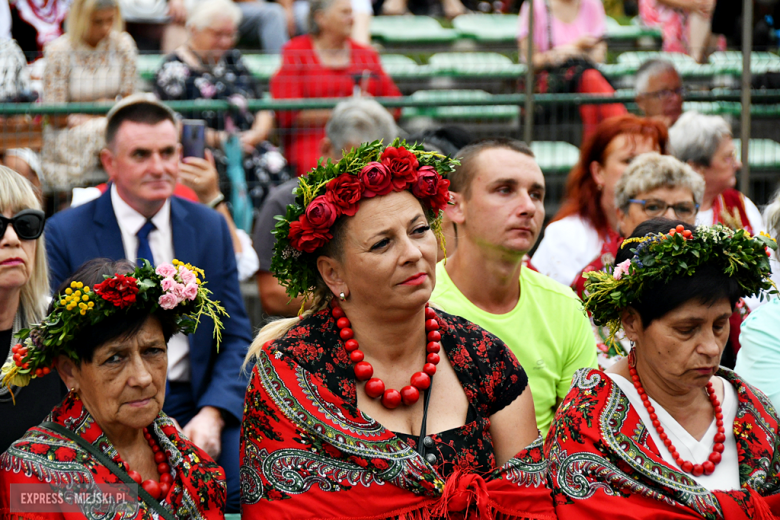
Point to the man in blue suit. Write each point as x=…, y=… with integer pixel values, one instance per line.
x=137, y=217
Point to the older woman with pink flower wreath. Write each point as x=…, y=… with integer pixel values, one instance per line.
x=106, y=336
x=372, y=404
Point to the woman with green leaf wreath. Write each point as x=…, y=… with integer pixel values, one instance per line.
x=106, y=335
x=371, y=404
x=667, y=433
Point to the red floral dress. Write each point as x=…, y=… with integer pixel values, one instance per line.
x=307, y=451
x=43, y=456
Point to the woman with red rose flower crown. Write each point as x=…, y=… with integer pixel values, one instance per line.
x=372, y=404
x=106, y=335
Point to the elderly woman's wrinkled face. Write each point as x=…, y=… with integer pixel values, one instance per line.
x=337, y=19
x=682, y=349
x=720, y=175
x=124, y=384
x=389, y=253
x=216, y=39
x=17, y=258
x=672, y=202
x=617, y=156
x=100, y=24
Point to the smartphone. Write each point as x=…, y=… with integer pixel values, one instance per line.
x=193, y=138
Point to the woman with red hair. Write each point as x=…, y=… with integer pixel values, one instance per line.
x=587, y=220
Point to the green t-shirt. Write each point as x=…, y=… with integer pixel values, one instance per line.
x=547, y=331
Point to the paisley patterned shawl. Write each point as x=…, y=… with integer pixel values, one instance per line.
x=306, y=453
x=602, y=458
x=43, y=456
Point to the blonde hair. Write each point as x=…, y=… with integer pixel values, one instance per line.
x=16, y=194
x=278, y=328
x=80, y=17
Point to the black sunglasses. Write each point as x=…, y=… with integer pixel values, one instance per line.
x=28, y=224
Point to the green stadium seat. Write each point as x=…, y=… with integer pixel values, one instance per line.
x=555, y=157
x=410, y=30
x=730, y=62
x=764, y=154
x=475, y=64
x=463, y=113
x=262, y=66
x=615, y=31
x=233, y=516
x=653, y=32
x=685, y=65
x=487, y=28
x=732, y=109
x=147, y=65
x=398, y=66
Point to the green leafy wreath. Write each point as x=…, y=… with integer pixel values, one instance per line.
x=662, y=257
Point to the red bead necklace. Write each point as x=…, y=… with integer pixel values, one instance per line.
x=156, y=489
x=375, y=387
x=697, y=470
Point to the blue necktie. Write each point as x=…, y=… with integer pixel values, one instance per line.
x=144, y=249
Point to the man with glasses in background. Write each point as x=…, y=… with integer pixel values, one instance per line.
x=659, y=91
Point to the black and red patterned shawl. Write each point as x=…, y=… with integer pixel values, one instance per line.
x=43, y=456
x=602, y=458
x=308, y=453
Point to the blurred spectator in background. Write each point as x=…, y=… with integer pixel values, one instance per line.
x=659, y=91
x=262, y=23
x=94, y=61
x=5, y=21
x=15, y=88
x=587, y=218
x=352, y=122
x=706, y=144
x=326, y=63
x=35, y=23
x=685, y=25
x=652, y=186
x=441, y=8
x=568, y=42
x=758, y=360
x=298, y=11
x=208, y=66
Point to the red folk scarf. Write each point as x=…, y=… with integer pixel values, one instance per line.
x=729, y=210
x=198, y=491
x=306, y=455
x=602, y=459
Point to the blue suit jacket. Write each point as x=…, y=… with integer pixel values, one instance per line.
x=200, y=237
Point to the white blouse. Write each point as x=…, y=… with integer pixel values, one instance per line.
x=568, y=246
x=726, y=475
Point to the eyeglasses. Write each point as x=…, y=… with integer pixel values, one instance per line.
x=665, y=93
x=28, y=224
x=655, y=207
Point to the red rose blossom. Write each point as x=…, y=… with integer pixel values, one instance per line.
x=275, y=494
x=304, y=237
x=63, y=454
x=376, y=180
x=359, y=461
x=321, y=213
x=344, y=192
x=39, y=449
x=119, y=290
x=431, y=188
x=380, y=464
x=402, y=164
x=331, y=450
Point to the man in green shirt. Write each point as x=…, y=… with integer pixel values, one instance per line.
x=498, y=211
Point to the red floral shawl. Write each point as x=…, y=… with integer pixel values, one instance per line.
x=43, y=456
x=602, y=458
x=305, y=454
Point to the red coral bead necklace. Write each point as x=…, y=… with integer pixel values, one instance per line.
x=375, y=387
x=156, y=489
x=697, y=470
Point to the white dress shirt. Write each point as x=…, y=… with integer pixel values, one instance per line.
x=726, y=475
x=161, y=243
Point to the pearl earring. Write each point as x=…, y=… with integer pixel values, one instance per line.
x=342, y=296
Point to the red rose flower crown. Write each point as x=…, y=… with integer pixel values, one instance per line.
x=330, y=191
x=177, y=288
